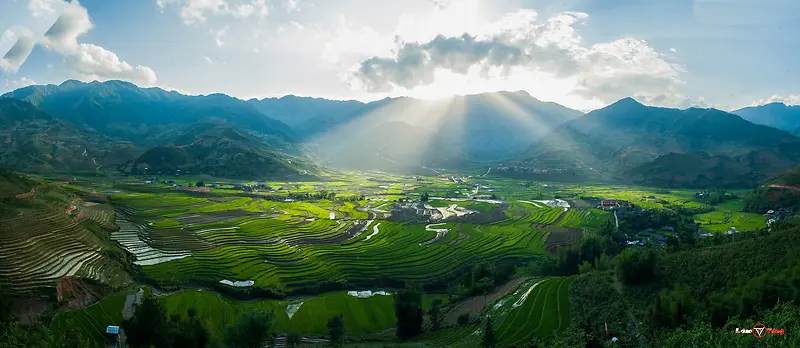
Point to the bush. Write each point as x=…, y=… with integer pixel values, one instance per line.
x=463, y=319
x=635, y=267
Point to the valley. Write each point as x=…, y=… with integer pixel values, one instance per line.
x=209, y=215
x=305, y=249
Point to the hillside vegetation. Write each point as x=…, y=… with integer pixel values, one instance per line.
x=667, y=147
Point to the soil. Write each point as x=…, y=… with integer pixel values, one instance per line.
x=474, y=305
x=77, y=293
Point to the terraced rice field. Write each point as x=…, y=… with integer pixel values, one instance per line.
x=541, y=310
x=287, y=245
x=92, y=321
x=42, y=245
x=308, y=317
x=729, y=214
x=589, y=218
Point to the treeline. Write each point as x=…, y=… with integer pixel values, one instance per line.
x=685, y=296
x=764, y=199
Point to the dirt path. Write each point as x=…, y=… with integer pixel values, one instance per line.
x=28, y=194
x=474, y=305
x=794, y=189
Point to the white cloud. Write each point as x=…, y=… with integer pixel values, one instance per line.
x=43, y=8
x=209, y=60
x=441, y=4
x=89, y=61
x=8, y=36
x=791, y=99
x=551, y=49
x=11, y=85
x=92, y=62
x=292, y=6
x=673, y=50
x=297, y=25
x=197, y=11
x=19, y=52
x=349, y=42
x=219, y=35
x=63, y=35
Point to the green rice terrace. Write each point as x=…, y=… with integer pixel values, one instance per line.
x=307, y=251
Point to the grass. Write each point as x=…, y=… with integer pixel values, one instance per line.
x=728, y=214
x=92, y=321
x=543, y=313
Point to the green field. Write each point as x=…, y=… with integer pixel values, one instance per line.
x=729, y=214
x=361, y=315
x=543, y=312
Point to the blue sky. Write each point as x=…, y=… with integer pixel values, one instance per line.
x=580, y=53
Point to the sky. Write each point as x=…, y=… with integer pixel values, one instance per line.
x=583, y=54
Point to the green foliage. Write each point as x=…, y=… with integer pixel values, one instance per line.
x=253, y=330
x=336, y=330
x=293, y=339
x=190, y=333
x=635, y=267
x=488, y=340
x=408, y=310
x=585, y=267
x=673, y=308
x=424, y=197
x=463, y=319
x=602, y=263
x=435, y=314
x=149, y=325
x=200, y=183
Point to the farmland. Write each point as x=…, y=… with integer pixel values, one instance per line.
x=297, y=248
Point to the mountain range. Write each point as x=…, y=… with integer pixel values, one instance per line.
x=116, y=125
x=777, y=115
x=666, y=147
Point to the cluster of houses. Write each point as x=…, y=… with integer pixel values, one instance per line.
x=651, y=236
x=251, y=187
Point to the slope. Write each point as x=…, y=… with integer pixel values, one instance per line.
x=36, y=141
x=49, y=232
x=122, y=110
x=218, y=150
x=451, y=132
x=778, y=115
x=627, y=134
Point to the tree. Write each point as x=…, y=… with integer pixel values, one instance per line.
x=293, y=339
x=148, y=326
x=585, y=267
x=591, y=247
x=463, y=319
x=484, y=286
x=408, y=311
x=435, y=314
x=635, y=267
x=489, y=341
x=200, y=183
x=253, y=330
x=189, y=332
x=602, y=263
x=336, y=330
x=424, y=197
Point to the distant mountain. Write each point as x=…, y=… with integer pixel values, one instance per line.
x=447, y=133
x=122, y=110
x=626, y=135
x=34, y=140
x=220, y=151
x=308, y=116
x=777, y=115
x=702, y=170
x=781, y=192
